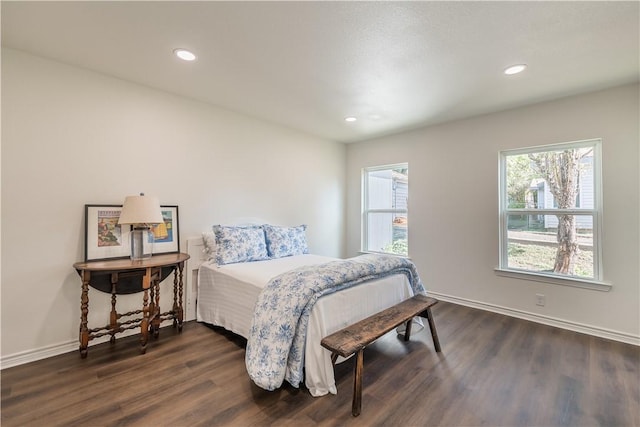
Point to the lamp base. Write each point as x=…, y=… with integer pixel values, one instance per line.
x=141, y=243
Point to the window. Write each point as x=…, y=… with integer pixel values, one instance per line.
x=550, y=211
x=384, y=201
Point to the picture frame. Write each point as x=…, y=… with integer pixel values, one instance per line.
x=106, y=239
x=167, y=235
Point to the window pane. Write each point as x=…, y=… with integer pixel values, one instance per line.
x=533, y=244
x=533, y=182
x=387, y=188
x=387, y=232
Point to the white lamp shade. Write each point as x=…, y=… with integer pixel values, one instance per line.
x=141, y=210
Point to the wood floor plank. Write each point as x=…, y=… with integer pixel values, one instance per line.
x=493, y=370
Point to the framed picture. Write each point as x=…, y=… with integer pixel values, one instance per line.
x=167, y=234
x=106, y=239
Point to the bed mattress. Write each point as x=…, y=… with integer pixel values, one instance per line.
x=227, y=295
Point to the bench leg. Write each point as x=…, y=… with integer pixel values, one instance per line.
x=407, y=330
x=434, y=334
x=357, y=385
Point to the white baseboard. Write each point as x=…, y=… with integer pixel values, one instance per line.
x=34, y=355
x=545, y=320
x=37, y=354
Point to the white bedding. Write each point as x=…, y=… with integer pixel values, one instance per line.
x=227, y=294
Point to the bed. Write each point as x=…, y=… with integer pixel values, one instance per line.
x=227, y=294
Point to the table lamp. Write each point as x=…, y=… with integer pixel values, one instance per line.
x=140, y=212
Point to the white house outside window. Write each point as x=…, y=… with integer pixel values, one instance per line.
x=384, y=201
x=551, y=211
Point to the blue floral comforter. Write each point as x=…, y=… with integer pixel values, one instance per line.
x=275, y=347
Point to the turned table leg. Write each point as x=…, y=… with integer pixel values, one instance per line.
x=114, y=327
x=144, y=323
x=178, y=311
x=84, y=311
x=155, y=295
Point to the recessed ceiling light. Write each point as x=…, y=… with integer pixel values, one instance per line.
x=515, y=69
x=184, y=54
x=350, y=119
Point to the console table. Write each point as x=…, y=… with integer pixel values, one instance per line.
x=124, y=276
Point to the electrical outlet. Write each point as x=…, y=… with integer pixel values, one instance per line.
x=540, y=300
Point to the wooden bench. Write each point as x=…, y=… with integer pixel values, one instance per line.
x=354, y=338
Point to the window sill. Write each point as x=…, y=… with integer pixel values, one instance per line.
x=555, y=280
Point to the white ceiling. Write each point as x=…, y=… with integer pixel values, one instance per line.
x=308, y=65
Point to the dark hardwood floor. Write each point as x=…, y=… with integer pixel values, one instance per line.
x=493, y=371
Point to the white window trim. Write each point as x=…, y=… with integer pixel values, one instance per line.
x=364, y=232
x=597, y=282
x=577, y=282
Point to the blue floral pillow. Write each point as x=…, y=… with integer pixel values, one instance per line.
x=286, y=241
x=239, y=244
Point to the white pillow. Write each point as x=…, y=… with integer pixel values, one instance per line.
x=209, y=239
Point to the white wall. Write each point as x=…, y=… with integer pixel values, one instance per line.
x=453, y=207
x=72, y=137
